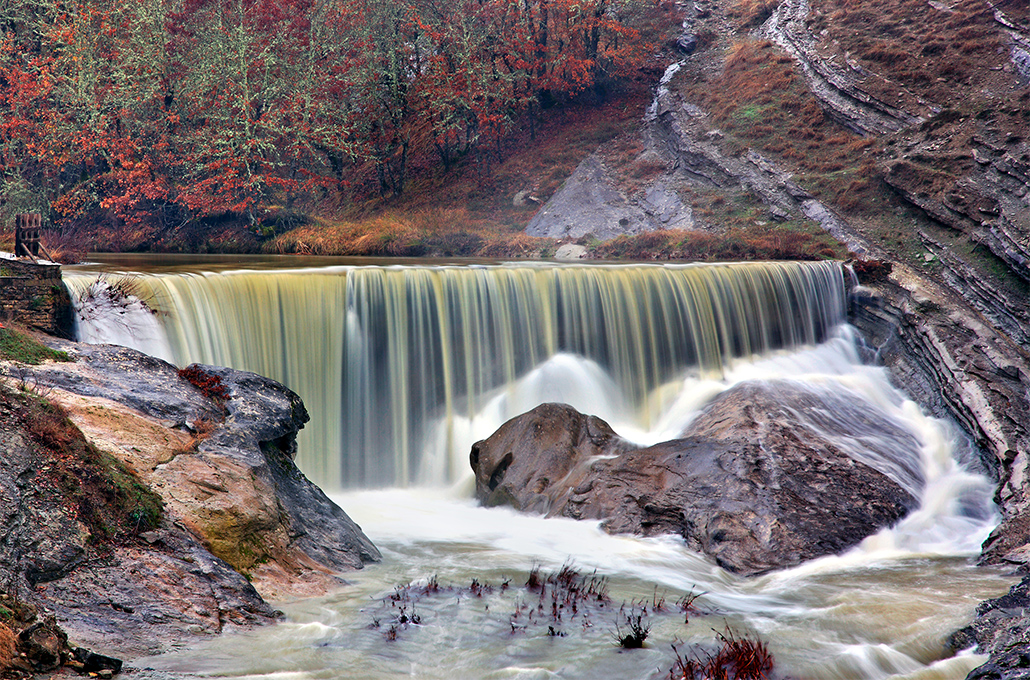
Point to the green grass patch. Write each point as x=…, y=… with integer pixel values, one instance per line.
x=19, y=347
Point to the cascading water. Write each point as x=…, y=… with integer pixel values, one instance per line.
x=422, y=361
x=391, y=360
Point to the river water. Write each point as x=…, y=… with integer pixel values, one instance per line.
x=884, y=609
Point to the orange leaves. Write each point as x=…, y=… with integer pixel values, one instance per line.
x=216, y=106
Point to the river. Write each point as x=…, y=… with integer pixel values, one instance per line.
x=404, y=365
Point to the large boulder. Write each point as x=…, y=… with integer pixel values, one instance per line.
x=767, y=476
x=241, y=522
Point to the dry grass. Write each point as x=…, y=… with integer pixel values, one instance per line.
x=97, y=488
x=426, y=232
x=761, y=102
x=748, y=14
x=761, y=242
x=469, y=210
x=8, y=647
x=64, y=247
x=924, y=50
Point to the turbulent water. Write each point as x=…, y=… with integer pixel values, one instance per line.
x=635, y=345
x=403, y=367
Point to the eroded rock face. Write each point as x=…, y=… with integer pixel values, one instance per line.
x=1001, y=626
x=590, y=204
x=234, y=504
x=840, y=88
x=131, y=597
x=761, y=480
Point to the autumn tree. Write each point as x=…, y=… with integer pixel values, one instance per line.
x=167, y=111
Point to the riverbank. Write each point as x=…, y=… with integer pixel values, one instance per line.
x=149, y=505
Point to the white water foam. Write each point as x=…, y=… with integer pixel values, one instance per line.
x=881, y=610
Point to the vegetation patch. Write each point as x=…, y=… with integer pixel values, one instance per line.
x=24, y=349
x=925, y=50
x=232, y=134
x=748, y=14
x=98, y=489
x=738, y=658
x=792, y=241
x=760, y=101
x=567, y=603
x=208, y=383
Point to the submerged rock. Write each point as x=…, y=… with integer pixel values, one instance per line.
x=768, y=476
x=1001, y=628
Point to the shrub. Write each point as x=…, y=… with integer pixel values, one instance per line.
x=210, y=385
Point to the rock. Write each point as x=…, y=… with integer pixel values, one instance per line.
x=1021, y=61
x=570, y=251
x=125, y=376
x=43, y=644
x=764, y=478
x=531, y=457
x=960, y=366
x=234, y=502
x=982, y=196
x=663, y=204
x=163, y=582
x=142, y=600
x=94, y=663
x=524, y=198
x=589, y=203
x=678, y=131
x=686, y=43
x=1001, y=627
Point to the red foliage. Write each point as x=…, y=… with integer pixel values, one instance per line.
x=739, y=658
x=226, y=106
x=210, y=385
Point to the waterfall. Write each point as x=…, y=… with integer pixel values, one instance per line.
x=403, y=367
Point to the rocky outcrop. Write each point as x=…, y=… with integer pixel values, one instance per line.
x=590, y=204
x=956, y=363
x=839, y=87
x=972, y=175
x=1019, y=33
x=219, y=455
x=957, y=366
x=1001, y=626
x=129, y=596
x=952, y=327
x=764, y=478
x=680, y=133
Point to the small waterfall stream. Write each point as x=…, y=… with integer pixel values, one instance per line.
x=403, y=367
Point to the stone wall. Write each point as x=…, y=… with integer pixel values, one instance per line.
x=33, y=294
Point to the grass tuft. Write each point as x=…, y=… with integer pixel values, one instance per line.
x=24, y=349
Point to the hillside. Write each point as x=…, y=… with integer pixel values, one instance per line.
x=907, y=120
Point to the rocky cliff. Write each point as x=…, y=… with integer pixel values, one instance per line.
x=187, y=510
